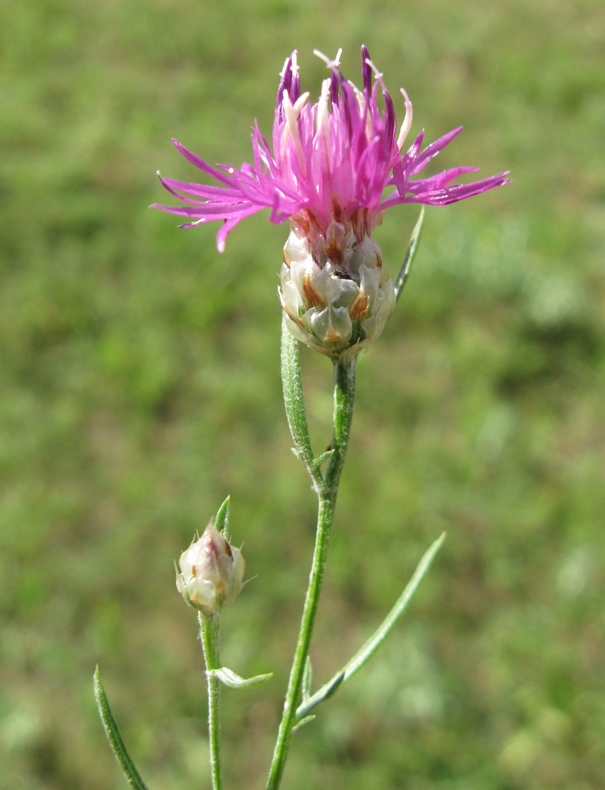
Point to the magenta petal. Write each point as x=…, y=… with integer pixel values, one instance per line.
x=201, y=165
x=199, y=190
x=440, y=180
x=434, y=148
x=336, y=159
x=221, y=236
x=206, y=212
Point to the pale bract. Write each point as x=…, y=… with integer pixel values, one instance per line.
x=211, y=572
x=335, y=305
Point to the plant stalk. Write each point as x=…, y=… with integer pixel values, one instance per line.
x=344, y=397
x=209, y=634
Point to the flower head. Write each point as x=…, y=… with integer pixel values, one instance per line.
x=333, y=168
x=211, y=572
x=332, y=159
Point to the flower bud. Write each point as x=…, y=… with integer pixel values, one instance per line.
x=335, y=290
x=211, y=572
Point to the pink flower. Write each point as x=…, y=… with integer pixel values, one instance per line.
x=340, y=159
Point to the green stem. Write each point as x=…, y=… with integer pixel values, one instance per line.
x=209, y=633
x=344, y=396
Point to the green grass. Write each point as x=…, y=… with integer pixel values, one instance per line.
x=140, y=385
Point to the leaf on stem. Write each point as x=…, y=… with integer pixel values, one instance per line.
x=295, y=405
x=371, y=646
x=409, y=256
x=114, y=737
x=333, y=684
x=321, y=459
x=234, y=681
x=307, y=679
x=324, y=693
x=304, y=721
x=221, y=521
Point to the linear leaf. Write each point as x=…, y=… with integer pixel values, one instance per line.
x=406, y=267
x=371, y=646
x=234, y=681
x=221, y=521
x=113, y=736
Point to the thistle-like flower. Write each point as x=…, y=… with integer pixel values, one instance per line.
x=334, y=168
x=211, y=572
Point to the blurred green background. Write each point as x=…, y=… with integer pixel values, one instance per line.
x=140, y=385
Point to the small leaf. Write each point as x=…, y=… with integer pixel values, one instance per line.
x=234, y=681
x=307, y=679
x=334, y=684
x=322, y=458
x=294, y=402
x=114, y=737
x=221, y=522
x=409, y=256
x=304, y=721
x=324, y=693
x=373, y=643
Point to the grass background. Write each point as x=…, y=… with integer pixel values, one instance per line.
x=140, y=385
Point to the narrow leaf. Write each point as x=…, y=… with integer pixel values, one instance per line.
x=409, y=256
x=321, y=459
x=331, y=687
x=221, y=521
x=324, y=693
x=114, y=737
x=371, y=646
x=304, y=721
x=295, y=404
x=307, y=679
x=234, y=681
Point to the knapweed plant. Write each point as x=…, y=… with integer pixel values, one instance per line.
x=333, y=168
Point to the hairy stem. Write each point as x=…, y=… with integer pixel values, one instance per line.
x=209, y=633
x=344, y=396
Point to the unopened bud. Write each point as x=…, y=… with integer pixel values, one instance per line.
x=335, y=290
x=211, y=572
